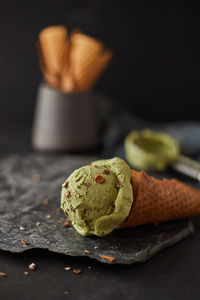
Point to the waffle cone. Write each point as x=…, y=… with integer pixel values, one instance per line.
x=160, y=201
x=53, y=49
x=71, y=64
x=91, y=71
x=51, y=79
x=84, y=42
x=67, y=82
x=87, y=60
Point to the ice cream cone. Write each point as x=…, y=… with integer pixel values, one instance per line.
x=87, y=60
x=84, y=42
x=67, y=84
x=71, y=64
x=53, y=49
x=92, y=70
x=67, y=80
x=160, y=201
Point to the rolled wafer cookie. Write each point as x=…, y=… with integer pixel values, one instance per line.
x=159, y=201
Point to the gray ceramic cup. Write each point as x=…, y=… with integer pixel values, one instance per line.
x=64, y=122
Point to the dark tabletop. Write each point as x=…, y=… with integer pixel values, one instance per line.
x=171, y=274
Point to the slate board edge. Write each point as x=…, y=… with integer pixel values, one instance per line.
x=186, y=232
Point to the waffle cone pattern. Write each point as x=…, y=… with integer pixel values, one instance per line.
x=54, y=47
x=160, y=201
x=71, y=63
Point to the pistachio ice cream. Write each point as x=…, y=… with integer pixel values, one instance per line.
x=150, y=150
x=98, y=197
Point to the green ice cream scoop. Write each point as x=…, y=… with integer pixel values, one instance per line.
x=98, y=197
x=151, y=150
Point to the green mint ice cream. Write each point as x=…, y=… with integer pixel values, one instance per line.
x=150, y=150
x=98, y=197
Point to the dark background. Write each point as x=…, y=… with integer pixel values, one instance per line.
x=155, y=71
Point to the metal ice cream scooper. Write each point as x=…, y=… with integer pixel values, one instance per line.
x=151, y=150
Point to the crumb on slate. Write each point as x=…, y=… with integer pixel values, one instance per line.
x=25, y=242
x=109, y=258
x=66, y=224
x=32, y=267
x=86, y=252
x=77, y=271
x=36, y=177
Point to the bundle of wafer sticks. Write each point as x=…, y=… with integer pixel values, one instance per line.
x=71, y=63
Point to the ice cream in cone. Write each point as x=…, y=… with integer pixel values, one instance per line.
x=106, y=195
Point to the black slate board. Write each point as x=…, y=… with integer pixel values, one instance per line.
x=21, y=207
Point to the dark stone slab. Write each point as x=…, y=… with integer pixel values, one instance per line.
x=22, y=193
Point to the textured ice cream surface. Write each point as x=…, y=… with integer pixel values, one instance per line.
x=150, y=150
x=98, y=197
